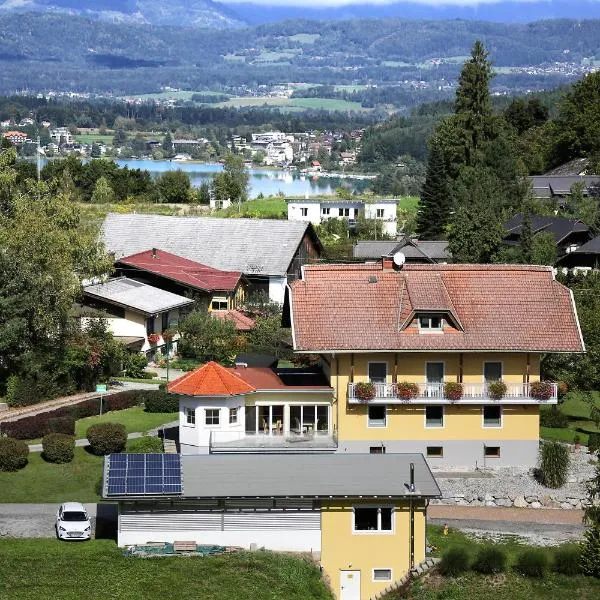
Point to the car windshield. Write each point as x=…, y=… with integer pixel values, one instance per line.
x=74, y=516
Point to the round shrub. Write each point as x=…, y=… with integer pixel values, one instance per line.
x=145, y=445
x=554, y=465
x=552, y=417
x=594, y=442
x=490, y=560
x=454, y=561
x=453, y=390
x=107, y=438
x=13, y=454
x=160, y=401
x=567, y=560
x=58, y=447
x=532, y=563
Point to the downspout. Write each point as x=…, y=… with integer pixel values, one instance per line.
x=412, y=516
x=337, y=396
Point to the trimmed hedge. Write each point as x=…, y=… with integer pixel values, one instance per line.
x=64, y=425
x=37, y=426
x=454, y=561
x=13, y=454
x=58, y=447
x=107, y=438
x=532, y=563
x=161, y=402
x=146, y=444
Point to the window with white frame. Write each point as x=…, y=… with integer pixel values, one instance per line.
x=325, y=211
x=379, y=213
x=233, y=416
x=211, y=416
x=434, y=416
x=304, y=212
x=430, y=322
x=492, y=416
x=219, y=303
x=377, y=416
x=344, y=212
x=373, y=518
x=190, y=416
x=377, y=372
x=382, y=574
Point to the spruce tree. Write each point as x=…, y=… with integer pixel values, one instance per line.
x=473, y=102
x=435, y=203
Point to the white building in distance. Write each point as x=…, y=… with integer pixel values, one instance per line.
x=316, y=210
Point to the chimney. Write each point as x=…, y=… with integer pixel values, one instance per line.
x=153, y=252
x=387, y=263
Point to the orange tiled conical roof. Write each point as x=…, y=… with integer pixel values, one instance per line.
x=210, y=379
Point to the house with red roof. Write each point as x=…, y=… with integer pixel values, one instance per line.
x=254, y=409
x=435, y=358
x=217, y=291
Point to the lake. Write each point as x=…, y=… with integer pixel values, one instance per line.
x=268, y=182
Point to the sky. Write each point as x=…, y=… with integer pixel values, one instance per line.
x=317, y=3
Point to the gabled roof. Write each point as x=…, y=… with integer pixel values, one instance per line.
x=138, y=296
x=210, y=379
x=426, y=250
x=252, y=246
x=353, y=308
x=183, y=270
x=238, y=318
x=546, y=186
x=558, y=227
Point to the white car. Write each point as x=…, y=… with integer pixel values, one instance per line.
x=72, y=522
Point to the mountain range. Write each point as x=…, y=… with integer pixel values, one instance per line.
x=176, y=13
x=234, y=14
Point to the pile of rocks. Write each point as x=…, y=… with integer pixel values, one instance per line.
x=510, y=487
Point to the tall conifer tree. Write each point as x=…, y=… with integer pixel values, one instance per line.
x=435, y=203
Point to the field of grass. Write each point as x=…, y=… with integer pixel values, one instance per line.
x=97, y=570
x=408, y=204
x=578, y=411
x=266, y=208
x=40, y=481
x=503, y=586
x=134, y=419
x=294, y=103
x=305, y=38
x=91, y=138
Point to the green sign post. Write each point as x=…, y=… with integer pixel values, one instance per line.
x=101, y=388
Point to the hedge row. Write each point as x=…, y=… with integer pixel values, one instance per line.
x=62, y=420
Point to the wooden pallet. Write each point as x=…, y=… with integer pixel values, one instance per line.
x=184, y=546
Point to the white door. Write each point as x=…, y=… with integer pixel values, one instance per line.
x=349, y=585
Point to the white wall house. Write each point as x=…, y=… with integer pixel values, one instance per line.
x=317, y=210
x=137, y=313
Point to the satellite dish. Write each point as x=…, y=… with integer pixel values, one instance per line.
x=399, y=259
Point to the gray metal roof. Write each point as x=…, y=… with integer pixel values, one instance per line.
x=436, y=250
x=373, y=249
x=252, y=246
x=311, y=475
x=546, y=186
x=133, y=294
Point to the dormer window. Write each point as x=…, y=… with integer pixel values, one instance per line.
x=430, y=322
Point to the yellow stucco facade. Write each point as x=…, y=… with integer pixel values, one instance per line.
x=346, y=552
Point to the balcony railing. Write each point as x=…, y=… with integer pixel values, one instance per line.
x=248, y=442
x=473, y=393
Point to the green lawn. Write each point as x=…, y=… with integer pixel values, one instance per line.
x=40, y=481
x=505, y=586
x=134, y=419
x=90, y=138
x=266, y=208
x=562, y=435
x=134, y=380
x=97, y=570
x=578, y=411
x=326, y=104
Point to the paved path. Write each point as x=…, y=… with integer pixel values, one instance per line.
x=34, y=409
x=537, y=526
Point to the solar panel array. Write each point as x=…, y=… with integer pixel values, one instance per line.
x=144, y=474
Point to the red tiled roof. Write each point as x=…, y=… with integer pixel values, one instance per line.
x=210, y=379
x=498, y=307
x=183, y=270
x=239, y=319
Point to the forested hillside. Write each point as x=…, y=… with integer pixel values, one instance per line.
x=37, y=50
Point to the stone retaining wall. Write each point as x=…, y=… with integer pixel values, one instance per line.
x=551, y=500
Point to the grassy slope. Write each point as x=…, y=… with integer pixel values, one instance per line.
x=40, y=481
x=578, y=411
x=506, y=586
x=47, y=569
x=264, y=207
x=134, y=419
